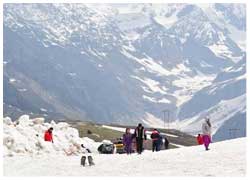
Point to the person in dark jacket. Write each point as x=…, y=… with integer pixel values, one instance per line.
x=48, y=136
x=127, y=141
x=140, y=135
x=155, y=136
x=166, y=142
x=160, y=143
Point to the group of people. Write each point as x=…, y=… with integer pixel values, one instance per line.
x=206, y=137
x=140, y=136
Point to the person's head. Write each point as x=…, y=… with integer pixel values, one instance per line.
x=199, y=134
x=50, y=129
x=139, y=125
x=127, y=130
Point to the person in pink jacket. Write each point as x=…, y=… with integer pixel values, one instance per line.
x=206, y=130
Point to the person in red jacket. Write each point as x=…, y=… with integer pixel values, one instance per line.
x=48, y=136
x=155, y=136
x=199, y=139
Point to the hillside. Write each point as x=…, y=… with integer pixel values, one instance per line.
x=126, y=63
x=224, y=102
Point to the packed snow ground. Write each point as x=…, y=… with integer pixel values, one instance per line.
x=26, y=154
x=226, y=158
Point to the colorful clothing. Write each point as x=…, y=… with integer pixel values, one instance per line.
x=155, y=136
x=48, y=136
x=127, y=141
x=199, y=140
x=206, y=141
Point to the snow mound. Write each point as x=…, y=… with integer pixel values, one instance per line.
x=25, y=136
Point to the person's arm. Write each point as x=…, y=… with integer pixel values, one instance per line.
x=44, y=137
x=88, y=150
x=134, y=135
x=52, y=138
x=123, y=139
x=145, y=135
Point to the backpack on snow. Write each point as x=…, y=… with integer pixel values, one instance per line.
x=106, y=148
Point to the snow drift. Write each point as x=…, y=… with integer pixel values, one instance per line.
x=25, y=136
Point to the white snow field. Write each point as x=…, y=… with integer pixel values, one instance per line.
x=26, y=155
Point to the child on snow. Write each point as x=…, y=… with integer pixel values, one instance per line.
x=73, y=149
x=199, y=139
x=127, y=141
x=48, y=136
x=86, y=153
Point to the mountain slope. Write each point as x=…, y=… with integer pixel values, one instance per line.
x=224, y=102
x=104, y=64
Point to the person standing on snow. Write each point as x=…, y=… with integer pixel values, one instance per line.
x=206, y=130
x=166, y=142
x=86, y=153
x=160, y=142
x=127, y=141
x=48, y=136
x=155, y=136
x=199, y=139
x=140, y=135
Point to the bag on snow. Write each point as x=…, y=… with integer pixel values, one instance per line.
x=106, y=148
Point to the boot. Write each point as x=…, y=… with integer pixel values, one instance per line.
x=83, y=159
x=90, y=159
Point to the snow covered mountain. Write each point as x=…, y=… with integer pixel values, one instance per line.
x=224, y=102
x=121, y=63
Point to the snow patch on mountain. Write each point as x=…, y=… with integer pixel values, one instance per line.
x=167, y=22
x=227, y=23
x=221, y=50
x=12, y=80
x=152, y=121
x=189, y=85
